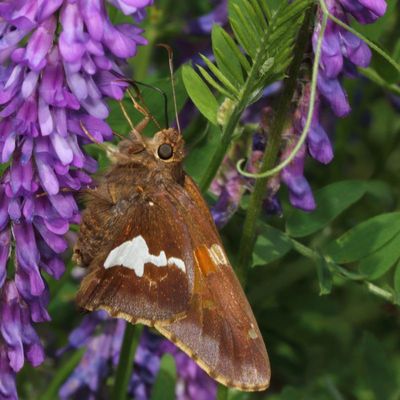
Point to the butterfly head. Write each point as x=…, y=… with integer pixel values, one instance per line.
x=166, y=147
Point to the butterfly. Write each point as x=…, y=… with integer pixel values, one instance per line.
x=154, y=256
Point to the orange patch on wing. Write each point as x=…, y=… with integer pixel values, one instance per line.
x=204, y=260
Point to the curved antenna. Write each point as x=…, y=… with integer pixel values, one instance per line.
x=135, y=84
x=171, y=70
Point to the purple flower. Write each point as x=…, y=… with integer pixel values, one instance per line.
x=59, y=64
x=204, y=24
x=102, y=351
x=341, y=51
x=16, y=330
x=146, y=366
x=365, y=11
x=318, y=142
x=300, y=193
x=8, y=389
x=102, y=338
x=340, y=47
x=193, y=382
x=229, y=186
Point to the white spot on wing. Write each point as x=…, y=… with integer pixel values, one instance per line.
x=134, y=254
x=178, y=262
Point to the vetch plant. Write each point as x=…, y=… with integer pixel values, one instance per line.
x=59, y=60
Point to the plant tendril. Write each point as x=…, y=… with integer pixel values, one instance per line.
x=325, y=16
x=310, y=114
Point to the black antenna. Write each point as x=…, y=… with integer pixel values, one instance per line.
x=171, y=70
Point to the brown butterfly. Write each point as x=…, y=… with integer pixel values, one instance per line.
x=155, y=257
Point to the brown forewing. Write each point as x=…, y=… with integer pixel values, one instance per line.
x=219, y=330
x=161, y=294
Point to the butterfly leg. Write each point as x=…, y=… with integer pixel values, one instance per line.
x=126, y=115
x=144, y=111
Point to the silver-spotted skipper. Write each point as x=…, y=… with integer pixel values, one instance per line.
x=155, y=257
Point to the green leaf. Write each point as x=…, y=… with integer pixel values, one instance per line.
x=364, y=239
x=164, y=387
x=271, y=245
x=262, y=19
x=255, y=21
x=331, y=201
x=200, y=155
x=240, y=56
x=378, y=374
x=397, y=278
x=200, y=94
x=266, y=10
x=62, y=374
x=381, y=190
x=226, y=56
x=3, y=167
x=378, y=263
x=324, y=276
x=211, y=81
x=220, y=76
x=243, y=27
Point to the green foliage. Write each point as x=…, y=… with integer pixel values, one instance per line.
x=201, y=152
x=378, y=263
x=267, y=40
x=365, y=238
x=331, y=202
x=271, y=245
x=164, y=387
x=379, y=376
x=373, y=245
x=197, y=89
x=397, y=279
x=154, y=101
x=324, y=276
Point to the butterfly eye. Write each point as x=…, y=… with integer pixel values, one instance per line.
x=165, y=151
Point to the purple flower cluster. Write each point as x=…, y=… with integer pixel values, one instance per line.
x=341, y=53
x=229, y=186
x=193, y=382
x=317, y=145
x=102, y=352
x=58, y=64
x=342, y=50
x=102, y=337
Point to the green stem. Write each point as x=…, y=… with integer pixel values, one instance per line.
x=222, y=393
x=125, y=365
x=219, y=154
x=378, y=291
x=271, y=154
x=372, y=75
x=62, y=374
x=345, y=273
